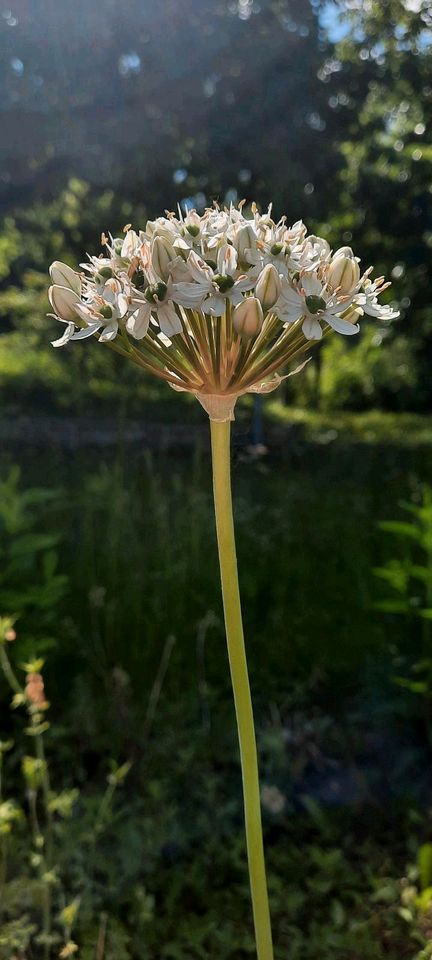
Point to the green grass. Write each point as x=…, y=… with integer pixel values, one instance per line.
x=372, y=426
x=138, y=547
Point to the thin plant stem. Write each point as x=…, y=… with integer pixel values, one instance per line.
x=220, y=438
x=3, y=846
x=157, y=687
x=32, y=798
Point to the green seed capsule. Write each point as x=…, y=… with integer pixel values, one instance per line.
x=192, y=229
x=138, y=279
x=314, y=304
x=276, y=249
x=156, y=292
x=106, y=273
x=106, y=312
x=224, y=283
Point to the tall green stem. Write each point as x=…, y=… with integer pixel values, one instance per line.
x=220, y=438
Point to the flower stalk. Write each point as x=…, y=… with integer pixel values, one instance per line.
x=220, y=441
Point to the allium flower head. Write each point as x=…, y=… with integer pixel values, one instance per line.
x=217, y=304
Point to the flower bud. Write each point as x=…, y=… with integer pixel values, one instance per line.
x=63, y=301
x=129, y=245
x=248, y=317
x=268, y=287
x=244, y=241
x=161, y=256
x=344, y=271
x=63, y=276
x=192, y=223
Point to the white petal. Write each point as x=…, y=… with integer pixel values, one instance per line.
x=311, y=285
x=215, y=305
x=226, y=260
x=169, y=322
x=66, y=336
x=138, y=323
x=189, y=294
x=383, y=311
x=245, y=283
x=311, y=329
x=110, y=331
x=199, y=270
x=122, y=305
x=87, y=331
x=288, y=311
x=341, y=326
x=179, y=270
x=235, y=296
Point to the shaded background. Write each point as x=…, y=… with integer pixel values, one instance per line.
x=112, y=113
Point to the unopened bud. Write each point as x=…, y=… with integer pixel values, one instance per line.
x=129, y=244
x=268, y=287
x=63, y=276
x=193, y=223
x=161, y=256
x=248, y=317
x=63, y=301
x=344, y=271
x=244, y=241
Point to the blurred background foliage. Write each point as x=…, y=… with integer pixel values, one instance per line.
x=113, y=114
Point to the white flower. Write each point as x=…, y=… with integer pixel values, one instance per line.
x=156, y=300
x=103, y=312
x=279, y=245
x=371, y=290
x=210, y=289
x=313, y=302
